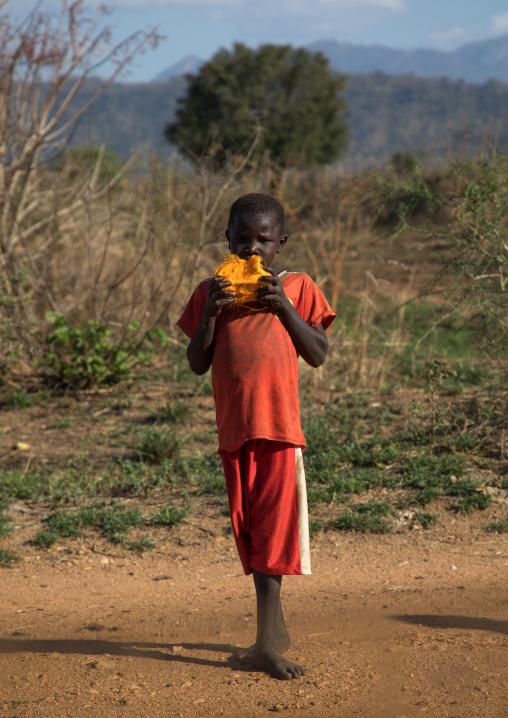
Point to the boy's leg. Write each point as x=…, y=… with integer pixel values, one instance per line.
x=272, y=637
x=257, y=504
x=281, y=635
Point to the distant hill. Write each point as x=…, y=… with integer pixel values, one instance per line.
x=474, y=62
x=440, y=116
x=129, y=117
x=386, y=114
x=189, y=64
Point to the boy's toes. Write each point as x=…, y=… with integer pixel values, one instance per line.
x=288, y=671
x=295, y=671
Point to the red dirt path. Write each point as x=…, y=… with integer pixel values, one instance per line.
x=405, y=625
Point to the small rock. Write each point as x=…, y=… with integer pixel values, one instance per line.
x=95, y=627
x=22, y=446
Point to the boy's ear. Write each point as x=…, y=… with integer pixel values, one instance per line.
x=227, y=234
x=282, y=241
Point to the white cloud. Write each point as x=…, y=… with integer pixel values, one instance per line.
x=448, y=38
x=500, y=23
x=292, y=7
x=210, y=5
x=387, y=4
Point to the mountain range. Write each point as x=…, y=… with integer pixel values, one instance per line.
x=398, y=101
x=387, y=114
x=475, y=62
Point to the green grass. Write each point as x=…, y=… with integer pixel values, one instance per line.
x=424, y=470
x=427, y=495
x=473, y=501
x=368, y=517
x=7, y=558
x=205, y=473
x=172, y=412
x=112, y=522
x=21, y=399
x=5, y=525
x=168, y=516
x=145, y=543
x=63, y=424
x=498, y=527
x=360, y=449
x=455, y=340
x=315, y=526
x=338, y=467
x=425, y=519
x=154, y=445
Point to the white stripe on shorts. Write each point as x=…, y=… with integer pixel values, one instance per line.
x=303, y=513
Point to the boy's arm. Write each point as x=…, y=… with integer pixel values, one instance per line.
x=200, y=348
x=310, y=342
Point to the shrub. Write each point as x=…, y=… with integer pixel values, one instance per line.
x=88, y=356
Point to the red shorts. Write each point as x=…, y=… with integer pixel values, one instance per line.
x=268, y=504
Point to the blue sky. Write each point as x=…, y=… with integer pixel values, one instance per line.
x=201, y=27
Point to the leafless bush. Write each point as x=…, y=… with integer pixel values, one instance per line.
x=44, y=62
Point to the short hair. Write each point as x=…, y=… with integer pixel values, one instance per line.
x=257, y=203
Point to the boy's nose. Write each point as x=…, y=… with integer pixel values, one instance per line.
x=249, y=252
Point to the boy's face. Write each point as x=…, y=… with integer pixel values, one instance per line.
x=255, y=234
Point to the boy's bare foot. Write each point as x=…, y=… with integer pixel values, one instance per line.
x=271, y=661
x=282, y=642
x=272, y=637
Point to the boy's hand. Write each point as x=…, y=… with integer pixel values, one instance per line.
x=273, y=291
x=310, y=342
x=217, y=297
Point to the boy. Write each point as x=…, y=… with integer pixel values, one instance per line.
x=254, y=355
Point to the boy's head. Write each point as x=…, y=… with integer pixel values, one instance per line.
x=256, y=226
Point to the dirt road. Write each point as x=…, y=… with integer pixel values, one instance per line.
x=390, y=626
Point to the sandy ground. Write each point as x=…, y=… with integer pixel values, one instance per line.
x=391, y=626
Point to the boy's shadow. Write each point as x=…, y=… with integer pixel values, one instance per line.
x=461, y=622
x=131, y=649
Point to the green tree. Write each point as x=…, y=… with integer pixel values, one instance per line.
x=290, y=95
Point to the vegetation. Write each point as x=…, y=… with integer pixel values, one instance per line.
x=287, y=99
x=52, y=198
x=427, y=118
x=468, y=215
x=113, y=523
x=86, y=356
x=406, y=422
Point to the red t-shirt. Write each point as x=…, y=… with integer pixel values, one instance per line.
x=255, y=364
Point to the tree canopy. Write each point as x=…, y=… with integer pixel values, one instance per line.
x=289, y=95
